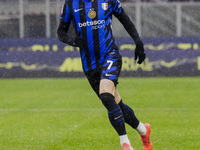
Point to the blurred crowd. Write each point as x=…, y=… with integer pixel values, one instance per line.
x=120, y=0
x=160, y=0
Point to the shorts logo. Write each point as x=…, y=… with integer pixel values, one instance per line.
x=108, y=75
x=92, y=14
x=105, y=6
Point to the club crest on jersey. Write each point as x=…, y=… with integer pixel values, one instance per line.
x=105, y=6
x=92, y=14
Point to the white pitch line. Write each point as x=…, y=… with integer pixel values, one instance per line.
x=88, y=109
x=51, y=109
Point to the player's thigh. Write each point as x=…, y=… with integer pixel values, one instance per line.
x=117, y=96
x=107, y=86
x=94, y=77
x=110, y=70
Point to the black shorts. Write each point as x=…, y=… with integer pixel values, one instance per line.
x=109, y=69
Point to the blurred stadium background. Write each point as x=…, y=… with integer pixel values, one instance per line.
x=170, y=31
x=40, y=18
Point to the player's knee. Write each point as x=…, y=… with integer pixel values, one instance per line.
x=117, y=97
x=108, y=101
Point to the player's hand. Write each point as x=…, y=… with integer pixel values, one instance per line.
x=79, y=41
x=140, y=52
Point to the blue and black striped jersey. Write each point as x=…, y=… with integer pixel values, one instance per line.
x=93, y=20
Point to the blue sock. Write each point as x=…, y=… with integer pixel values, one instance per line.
x=114, y=113
x=129, y=115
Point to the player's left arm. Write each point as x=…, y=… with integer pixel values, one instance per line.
x=131, y=29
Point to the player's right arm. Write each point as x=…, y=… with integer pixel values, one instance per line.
x=62, y=32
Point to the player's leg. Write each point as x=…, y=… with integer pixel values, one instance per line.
x=109, y=79
x=105, y=90
x=129, y=115
x=94, y=78
x=130, y=118
x=115, y=114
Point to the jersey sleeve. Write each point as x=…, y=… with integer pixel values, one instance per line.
x=65, y=13
x=117, y=7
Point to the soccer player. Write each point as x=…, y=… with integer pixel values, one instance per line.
x=101, y=59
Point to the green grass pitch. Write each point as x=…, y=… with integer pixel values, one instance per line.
x=65, y=114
